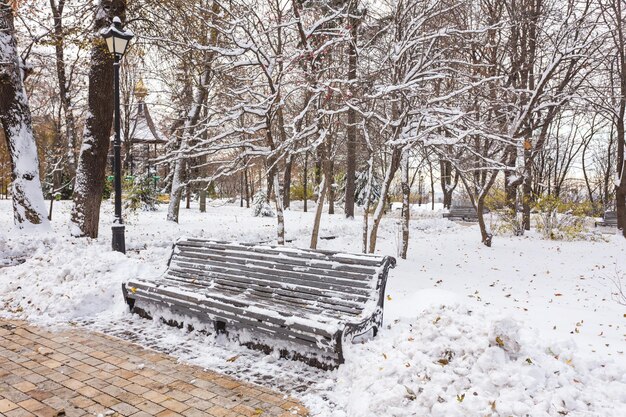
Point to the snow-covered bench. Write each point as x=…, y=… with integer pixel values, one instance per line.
x=609, y=219
x=466, y=213
x=302, y=303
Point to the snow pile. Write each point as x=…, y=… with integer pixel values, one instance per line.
x=453, y=362
x=65, y=278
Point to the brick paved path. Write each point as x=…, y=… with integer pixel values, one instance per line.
x=79, y=373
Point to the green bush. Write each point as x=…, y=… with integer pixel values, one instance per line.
x=560, y=220
x=107, y=190
x=140, y=193
x=297, y=191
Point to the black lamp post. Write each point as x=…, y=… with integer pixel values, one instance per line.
x=117, y=40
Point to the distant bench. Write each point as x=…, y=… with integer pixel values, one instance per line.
x=466, y=213
x=303, y=303
x=609, y=219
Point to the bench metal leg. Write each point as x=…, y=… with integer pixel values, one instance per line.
x=220, y=327
x=339, y=346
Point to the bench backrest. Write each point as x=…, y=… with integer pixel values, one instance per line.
x=462, y=210
x=333, y=281
x=610, y=215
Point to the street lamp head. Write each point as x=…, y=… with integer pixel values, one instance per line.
x=117, y=38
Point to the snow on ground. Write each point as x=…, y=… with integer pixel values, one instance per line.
x=527, y=327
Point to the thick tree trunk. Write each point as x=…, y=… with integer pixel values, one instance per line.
x=247, y=187
x=447, y=184
x=406, y=208
x=527, y=196
x=287, y=181
x=620, y=178
x=305, y=181
x=16, y=119
x=331, y=186
x=241, y=192
x=485, y=235
x=202, y=200
x=92, y=159
x=351, y=130
x=380, y=208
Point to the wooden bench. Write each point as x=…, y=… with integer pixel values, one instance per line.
x=303, y=303
x=609, y=219
x=466, y=213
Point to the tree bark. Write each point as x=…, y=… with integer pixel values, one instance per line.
x=380, y=208
x=406, y=208
x=287, y=181
x=66, y=103
x=247, y=187
x=368, y=195
x=305, y=180
x=199, y=98
x=351, y=130
x=16, y=119
x=447, y=184
x=318, y=212
x=527, y=197
x=280, y=216
x=331, y=186
x=202, y=199
x=620, y=191
x=92, y=159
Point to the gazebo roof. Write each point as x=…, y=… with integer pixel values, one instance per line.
x=142, y=128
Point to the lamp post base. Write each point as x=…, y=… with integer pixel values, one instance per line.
x=118, y=242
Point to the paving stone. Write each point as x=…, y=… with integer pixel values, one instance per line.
x=18, y=412
x=82, y=373
x=6, y=405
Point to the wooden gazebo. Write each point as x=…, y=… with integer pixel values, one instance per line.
x=146, y=141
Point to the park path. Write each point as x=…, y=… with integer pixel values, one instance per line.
x=75, y=372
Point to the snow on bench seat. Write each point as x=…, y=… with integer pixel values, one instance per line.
x=303, y=303
x=608, y=220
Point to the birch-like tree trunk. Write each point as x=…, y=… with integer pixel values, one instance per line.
x=380, y=207
x=318, y=211
x=16, y=119
x=199, y=99
x=368, y=196
x=280, y=216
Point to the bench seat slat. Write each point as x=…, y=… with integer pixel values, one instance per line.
x=238, y=300
x=185, y=308
x=313, y=305
x=239, y=285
